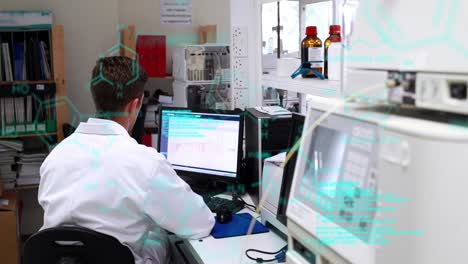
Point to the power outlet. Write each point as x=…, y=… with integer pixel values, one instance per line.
x=240, y=42
x=241, y=98
x=240, y=73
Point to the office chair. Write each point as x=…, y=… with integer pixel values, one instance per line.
x=74, y=245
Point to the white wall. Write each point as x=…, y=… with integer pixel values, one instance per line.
x=90, y=29
x=145, y=15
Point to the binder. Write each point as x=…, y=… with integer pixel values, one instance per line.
x=30, y=126
x=1, y=63
x=24, y=75
x=40, y=61
x=2, y=113
x=30, y=60
x=9, y=64
x=10, y=117
x=18, y=60
x=6, y=62
x=44, y=61
x=20, y=126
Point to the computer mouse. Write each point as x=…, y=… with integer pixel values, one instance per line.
x=223, y=215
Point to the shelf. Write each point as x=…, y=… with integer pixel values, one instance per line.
x=161, y=78
x=29, y=135
x=203, y=82
x=26, y=187
x=324, y=88
x=154, y=129
x=26, y=82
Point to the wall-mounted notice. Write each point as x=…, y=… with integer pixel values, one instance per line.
x=176, y=12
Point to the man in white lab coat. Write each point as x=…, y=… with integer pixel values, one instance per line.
x=101, y=178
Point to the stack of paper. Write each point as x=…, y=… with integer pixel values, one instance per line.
x=29, y=166
x=8, y=151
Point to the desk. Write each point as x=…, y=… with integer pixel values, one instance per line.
x=232, y=250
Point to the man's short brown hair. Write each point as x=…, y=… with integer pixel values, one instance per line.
x=116, y=81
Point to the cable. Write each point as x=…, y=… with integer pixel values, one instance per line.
x=280, y=255
x=249, y=206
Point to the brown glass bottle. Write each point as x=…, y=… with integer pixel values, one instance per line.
x=312, y=50
x=335, y=36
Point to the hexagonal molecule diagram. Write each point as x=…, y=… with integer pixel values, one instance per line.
x=115, y=51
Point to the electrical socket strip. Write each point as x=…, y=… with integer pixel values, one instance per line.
x=240, y=73
x=240, y=69
x=240, y=42
x=241, y=98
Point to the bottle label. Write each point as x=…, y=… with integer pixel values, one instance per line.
x=316, y=54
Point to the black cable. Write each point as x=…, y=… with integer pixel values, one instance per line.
x=258, y=260
x=245, y=203
x=261, y=260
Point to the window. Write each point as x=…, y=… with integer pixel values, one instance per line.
x=289, y=27
x=319, y=14
x=269, y=21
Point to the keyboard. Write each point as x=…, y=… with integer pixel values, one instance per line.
x=215, y=202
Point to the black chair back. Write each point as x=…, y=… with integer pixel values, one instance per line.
x=74, y=245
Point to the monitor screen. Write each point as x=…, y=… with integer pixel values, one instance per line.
x=201, y=143
x=326, y=157
x=335, y=175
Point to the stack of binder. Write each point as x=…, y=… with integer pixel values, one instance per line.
x=29, y=165
x=24, y=115
x=24, y=59
x=8, y=151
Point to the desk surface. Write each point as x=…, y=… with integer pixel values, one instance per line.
x=232, y=250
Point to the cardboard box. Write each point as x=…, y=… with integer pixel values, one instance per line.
x=9, y=232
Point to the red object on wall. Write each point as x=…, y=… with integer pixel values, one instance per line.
x=147, y=140
x=152, y=54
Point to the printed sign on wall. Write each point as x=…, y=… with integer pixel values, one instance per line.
x=176, y=12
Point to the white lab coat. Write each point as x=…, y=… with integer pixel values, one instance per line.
x=102, y=179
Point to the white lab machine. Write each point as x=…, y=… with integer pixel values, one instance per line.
x=209, y=95
x=417, y=48
x=377, y=188
x=202, y=76
x=271, y=181
x=201, y=63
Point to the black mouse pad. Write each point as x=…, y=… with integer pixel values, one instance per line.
x=238, y=226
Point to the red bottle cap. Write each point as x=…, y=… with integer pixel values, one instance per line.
x=311, y=31
x=335, y=29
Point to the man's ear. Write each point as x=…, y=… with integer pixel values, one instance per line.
x=134, y=105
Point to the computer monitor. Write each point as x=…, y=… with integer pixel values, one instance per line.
x=288, y=173
x=204, y=145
